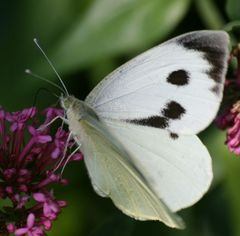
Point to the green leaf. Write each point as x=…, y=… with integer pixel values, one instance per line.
x=110, y=28
x=20, y=23
x=210, y=14
x=233, y=9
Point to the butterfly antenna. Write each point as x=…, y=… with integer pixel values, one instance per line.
x=50, y=63
x=29, y=72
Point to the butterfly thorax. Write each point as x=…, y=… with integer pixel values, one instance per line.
x=76, y=111
x=76, y=106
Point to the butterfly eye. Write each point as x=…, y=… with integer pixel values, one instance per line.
x=66, y=102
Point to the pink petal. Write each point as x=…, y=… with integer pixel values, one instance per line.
x=32, y=130
x=11, y=228
x=46, y=209
x=21, y=231
x=54, y=207
x=37, y=231
x=47, y=224
x=62, y=203
x=30, y=220
x=48, y=212
x=44, y=138
x=40, y=197
x=55, y=154
x=77, y=157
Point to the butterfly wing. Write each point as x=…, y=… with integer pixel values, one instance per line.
x=176, y=86
x=179, y=170
x=114, y=175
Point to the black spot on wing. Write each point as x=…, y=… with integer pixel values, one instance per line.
x=173, y=110
x=173, y=135
x=153, y=121
x=178, y=77
x=214, y=46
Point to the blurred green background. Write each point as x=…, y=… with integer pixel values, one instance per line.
x=86, y=40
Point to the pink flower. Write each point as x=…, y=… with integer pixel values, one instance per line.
x=230, y=118
x=30, y=229
x=51, y=113
x=19, y=118
x=225, y=119
x=233, y=135
x=61, y=137
x=28, y=159
x=51, y=207
x=231, y=121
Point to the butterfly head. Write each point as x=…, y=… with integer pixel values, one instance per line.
x=77, y=107
x=67, y=102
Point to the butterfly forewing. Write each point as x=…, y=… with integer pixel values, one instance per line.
x=175, y=86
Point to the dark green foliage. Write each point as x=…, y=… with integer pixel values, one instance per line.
x=86, y=40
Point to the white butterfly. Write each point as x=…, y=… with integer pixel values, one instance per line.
x=137, y=127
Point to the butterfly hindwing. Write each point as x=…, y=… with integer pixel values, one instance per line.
x=178, y=169
x=176, y=86
x=114, y=175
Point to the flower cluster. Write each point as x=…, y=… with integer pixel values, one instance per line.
x=230, y=118
x=29, y=158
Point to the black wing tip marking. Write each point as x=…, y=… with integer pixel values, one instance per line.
x=214, y=45
x=178, y=77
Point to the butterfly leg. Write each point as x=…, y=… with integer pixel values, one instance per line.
x=69, y=157
x=52, y=121
x=64, y=152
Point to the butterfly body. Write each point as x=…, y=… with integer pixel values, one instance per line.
x=137, y=127
x=76, y=109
